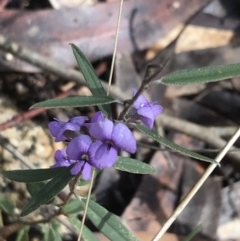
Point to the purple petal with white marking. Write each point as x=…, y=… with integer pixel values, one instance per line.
x=141, y=100
x=101, y=130
x=123, y=138
x=78, y=120
x=78, y=146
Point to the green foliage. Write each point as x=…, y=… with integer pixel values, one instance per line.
x=202, y=75
x=73, y=207
x=6, y=204
x=34, y=187
x=108, y=223
x=50, y=234
x=74, y=101
x=23, y=234
x=87, y=235
x=134, y=166
x=172, y=145
x=50, y=190
x=35, y=175
x=90, y=76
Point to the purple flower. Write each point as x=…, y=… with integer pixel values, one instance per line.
x=58, y=128
x=112, y=137
x=144, y=110
x=82, y=150
x=61, y=159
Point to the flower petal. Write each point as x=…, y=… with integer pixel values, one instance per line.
x=147, y=121
x=146, y=116
x=66, y=127
x=97, y=117
x=87, y=171
x=61, y=159
x=156, y=110
x=141, y=100
x=78, y=120
x=101, y=130
x=123, y=138
x=92, y=150
x=105, y=156
x=78, y=146
x=77, y=167
x=55, y=126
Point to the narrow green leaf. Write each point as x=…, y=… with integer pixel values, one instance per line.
x=193, y=233
x=172, y=145
x=108, y=223
x=53, y=235
x=202, y=75
x=72, y=207
x=6, y=204
x=23, y=234
x=74, y=101
x=35, y=175
x=50, y=190
x=90, y=76
x=34, y=187
x=87, y=235
x=134, y=166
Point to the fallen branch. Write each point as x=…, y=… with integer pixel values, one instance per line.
x=200, y=132
x=48, y=65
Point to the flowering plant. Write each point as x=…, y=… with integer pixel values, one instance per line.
x=95, y=145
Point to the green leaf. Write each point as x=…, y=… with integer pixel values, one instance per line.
x=172, y=145
x=72, y=207
x=50, y=234
x=193, y=233
x=50, y=190
x=87, y=235
x=90, y=76
x=6, y=204
x=74, y=101
x=134, y=166
x=23, y=234
x=108, y=223
x=53, y=235
x=202, y=75
x=35, y=175
x=35, y=187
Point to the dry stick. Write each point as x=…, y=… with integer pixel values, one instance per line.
x=48, y=65
x=109, y=86
x=145, y=83
x=196, y=187
x=9, y=147
x=17, y=119
x=115, y=47
x=86, y=207
x=197, y=131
